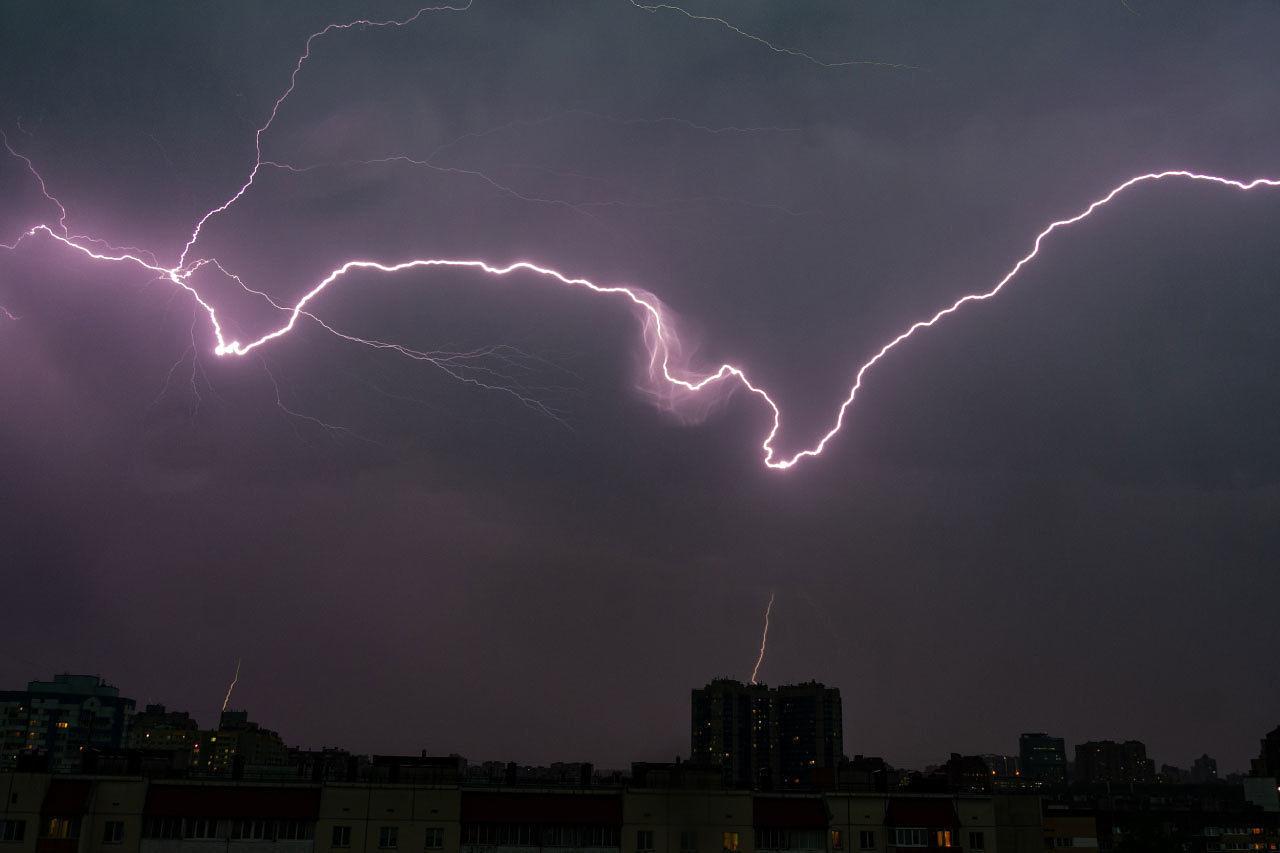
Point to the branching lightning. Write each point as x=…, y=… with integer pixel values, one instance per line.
x=669, y=374
x=764, y=640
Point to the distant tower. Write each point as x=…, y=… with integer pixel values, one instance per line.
x=1204, y=770
x=1043, y=758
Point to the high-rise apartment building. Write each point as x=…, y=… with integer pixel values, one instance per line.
x=767, y=738
x=60, y=719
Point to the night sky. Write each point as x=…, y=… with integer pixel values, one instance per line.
x=1055, y=511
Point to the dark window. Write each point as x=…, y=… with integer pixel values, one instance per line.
x=294, y=830
x=388, y=837
x=341, y=837
x=252, y=830
x=200, y=827
x=910, y=837
x=689, y=841
x=977, y=841
x=435, y=838
x=866, y=839
x=113, y=832
x=644, y=839
x=12, y=830
x=162, y=827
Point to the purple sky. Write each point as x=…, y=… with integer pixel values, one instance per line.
x=1056, y=512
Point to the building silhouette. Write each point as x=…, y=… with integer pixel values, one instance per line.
x=1100, y=761
x=1268, y=761
x=157, y=728
x=1204, y=770
x=236, y=745
x=779, y=738
x=1043, y=758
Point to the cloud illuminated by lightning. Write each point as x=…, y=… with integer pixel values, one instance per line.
x=670, y=377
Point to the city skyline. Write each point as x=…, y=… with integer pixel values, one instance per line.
x=763, y=717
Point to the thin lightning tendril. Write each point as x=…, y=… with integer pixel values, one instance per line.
x=226, y=702
x=764, y=640
x=657, y=330
x=799, y=54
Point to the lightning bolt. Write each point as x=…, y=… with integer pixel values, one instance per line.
x=227, y=700
x=670, y=377
x=764, y=640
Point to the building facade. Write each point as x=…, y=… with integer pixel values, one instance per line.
x=42, y=813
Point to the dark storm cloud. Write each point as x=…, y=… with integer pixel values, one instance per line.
x=1052, y=512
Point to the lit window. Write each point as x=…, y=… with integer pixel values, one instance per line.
x=62, y=724
x=731, y=843
x=837, y=840
x=63, y=827
x=944, y=838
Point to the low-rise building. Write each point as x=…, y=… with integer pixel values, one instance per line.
x=43, y=813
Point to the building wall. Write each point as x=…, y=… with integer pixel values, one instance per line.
x=853, y=814
x=115, y=800
x=1008, y=824
x=23, y=795
x=671, y=813
x=1018, y=823
x=410, y=810
x=1082, y=830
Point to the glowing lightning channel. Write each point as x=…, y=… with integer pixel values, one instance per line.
x=661, y=337
x=764, y=640
x=226, y=702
